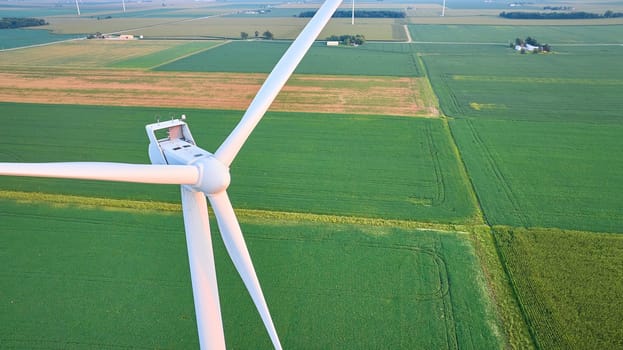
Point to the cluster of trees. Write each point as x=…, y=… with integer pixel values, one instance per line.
x=16, y=22
x=559, y=15
x=348, y=39
x=530, y=42
x=266, y=35
x=359, y=14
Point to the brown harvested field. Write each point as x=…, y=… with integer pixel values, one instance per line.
x=303, y=93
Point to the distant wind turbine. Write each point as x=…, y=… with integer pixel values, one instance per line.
x=352, y=21
x=443, y=8
x=78, y=7
x=123, y=2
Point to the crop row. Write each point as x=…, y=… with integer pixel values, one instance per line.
x=566, y=299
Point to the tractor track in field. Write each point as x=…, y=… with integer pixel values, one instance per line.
x=499, y=175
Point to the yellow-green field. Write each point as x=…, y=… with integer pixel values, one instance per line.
x=94, y=54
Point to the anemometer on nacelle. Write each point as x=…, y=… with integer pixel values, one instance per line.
x=170, y=142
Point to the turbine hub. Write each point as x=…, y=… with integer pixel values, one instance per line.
x=214, y=175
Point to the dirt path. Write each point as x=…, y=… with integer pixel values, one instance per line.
x=406, y=27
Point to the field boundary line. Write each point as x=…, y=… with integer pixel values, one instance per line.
x=448, y=306
x=464, y=173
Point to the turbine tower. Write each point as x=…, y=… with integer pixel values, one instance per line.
x=352, y=20
x=443, y=8
x=176, y=159
x=123, y=3
x=78, y=8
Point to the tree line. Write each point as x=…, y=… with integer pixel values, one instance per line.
x=266, y=35
x=19, y=22
x=559, y=15
x=359, y=14
x=348, y=39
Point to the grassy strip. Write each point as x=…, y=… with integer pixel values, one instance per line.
x=247, y=214
x=501, y=291
x=495, y=280
x=90, y=202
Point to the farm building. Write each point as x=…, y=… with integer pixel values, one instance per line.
x=527, y=47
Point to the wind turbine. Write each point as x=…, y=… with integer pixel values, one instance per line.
x=176, y=159
x=443, y=8
x=78, y=8
x=123, y=2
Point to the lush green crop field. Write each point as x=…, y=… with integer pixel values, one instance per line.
x=569, y=284
x=538, y=135
x=76, y=277
x=372, y=166
x=540, y=131
x=261, y=56
x=546, y=174
x=572, y=84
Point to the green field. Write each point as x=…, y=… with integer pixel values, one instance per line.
x=387, y=286
x=495, y=226
x=495, y=82
x=545, y=174
x=336, y=160
x=11, y=38
x=569, y=284
x=364, y=60
x=536, y=132
x=538, y=135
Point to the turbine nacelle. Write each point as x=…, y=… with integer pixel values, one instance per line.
x=171, y=142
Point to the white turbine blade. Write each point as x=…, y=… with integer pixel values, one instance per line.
x=237, y=249
x=140, y=173
x=275, y=81
x=202, y=270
